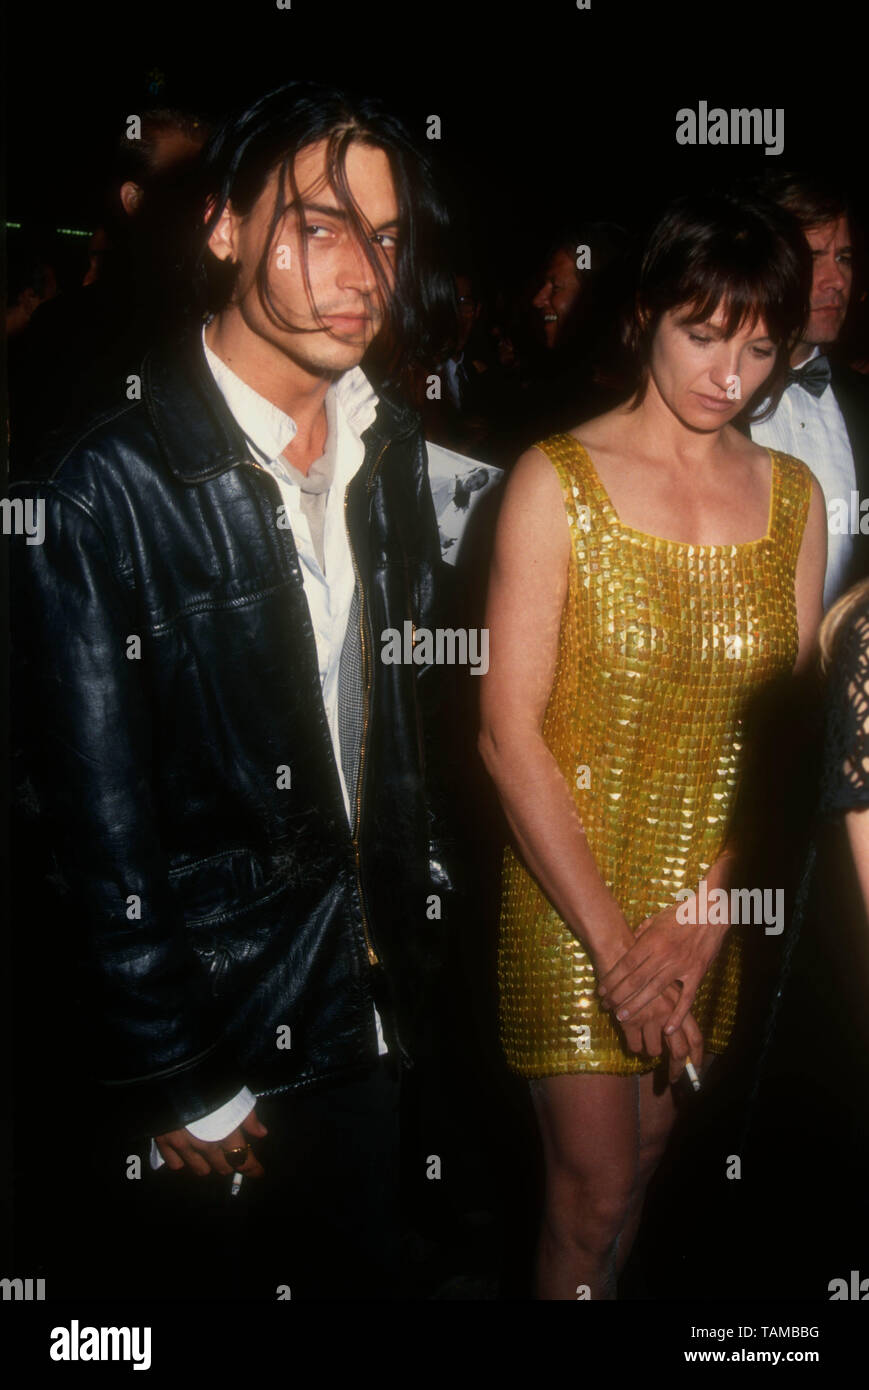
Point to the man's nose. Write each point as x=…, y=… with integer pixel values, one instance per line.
x=542, y=297
x=357, y=272
x=830, y=275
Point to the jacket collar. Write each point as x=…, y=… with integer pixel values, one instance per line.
x=197, y=433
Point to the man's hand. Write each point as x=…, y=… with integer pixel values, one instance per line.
x=181, y=1150
x=665, y=952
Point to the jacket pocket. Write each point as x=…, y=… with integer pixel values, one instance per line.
x=218, y=898
x=221, y=888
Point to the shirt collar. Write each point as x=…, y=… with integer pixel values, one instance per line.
x=268, y=427
x=815, y=352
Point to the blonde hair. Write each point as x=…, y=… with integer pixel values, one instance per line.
x=835, y=623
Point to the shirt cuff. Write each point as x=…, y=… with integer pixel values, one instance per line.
x=217, y=1125
x=382, y=1049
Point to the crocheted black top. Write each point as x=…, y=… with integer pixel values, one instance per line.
x=845, y=774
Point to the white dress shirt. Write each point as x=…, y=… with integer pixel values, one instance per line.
x=811, y=428
x=351, y=404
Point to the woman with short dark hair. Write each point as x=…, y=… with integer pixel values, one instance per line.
x=654, y=571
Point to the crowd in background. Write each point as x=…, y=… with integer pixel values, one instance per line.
x=530, y=356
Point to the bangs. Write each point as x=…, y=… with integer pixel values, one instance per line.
x=736, y=253
x=732, y=254
x=744, y=301
x=738, y=312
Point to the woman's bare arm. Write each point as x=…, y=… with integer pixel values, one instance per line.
x=527, y=590
x=809, y=584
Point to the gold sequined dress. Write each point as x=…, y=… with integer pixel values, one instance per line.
x=662, y=644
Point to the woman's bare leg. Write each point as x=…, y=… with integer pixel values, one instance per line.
x=657, y=1114
x=603, y=1137
x=590, y=1130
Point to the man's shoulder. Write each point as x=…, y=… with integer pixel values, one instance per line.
x=854, y=385
x=85, y=457
x=382, y=406
x=851, y=392
x=156, y=422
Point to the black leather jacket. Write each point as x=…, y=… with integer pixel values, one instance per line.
x=214, y=909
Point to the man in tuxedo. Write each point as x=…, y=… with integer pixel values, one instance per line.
x=823, y=415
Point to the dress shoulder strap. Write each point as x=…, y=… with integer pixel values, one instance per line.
x=579, y=483
x=792, y=494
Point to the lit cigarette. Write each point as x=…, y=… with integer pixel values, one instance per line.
x=236, y=1184
x=692, y=1074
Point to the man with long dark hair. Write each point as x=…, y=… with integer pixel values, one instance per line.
x=239, y=792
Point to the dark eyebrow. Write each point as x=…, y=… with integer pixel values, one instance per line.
x=326, y=210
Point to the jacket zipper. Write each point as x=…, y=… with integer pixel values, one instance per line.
x=366, y=658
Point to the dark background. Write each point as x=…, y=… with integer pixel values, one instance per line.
x=545, y=110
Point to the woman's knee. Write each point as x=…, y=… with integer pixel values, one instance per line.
x=588, y=1208
x=649, y=1157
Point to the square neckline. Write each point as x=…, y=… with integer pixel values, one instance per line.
x=664, y=540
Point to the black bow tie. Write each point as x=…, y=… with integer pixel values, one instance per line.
x=814, y=377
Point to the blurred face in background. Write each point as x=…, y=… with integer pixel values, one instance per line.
x=469, y=309
x=831, y=283
x=557, y=295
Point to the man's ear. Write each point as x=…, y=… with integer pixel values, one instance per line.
x=223, y=234
x=131, y=198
